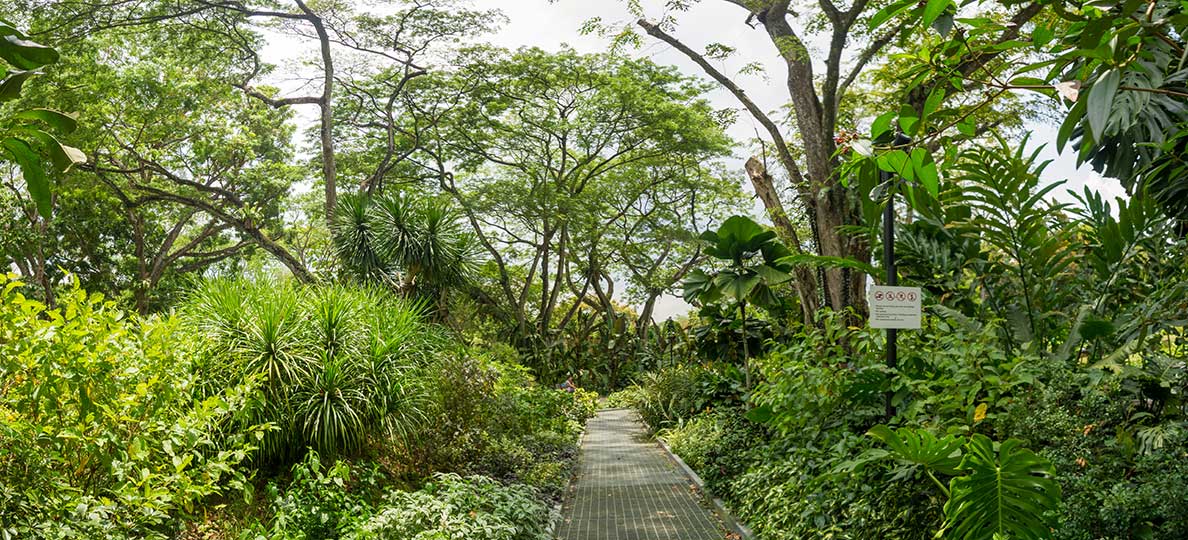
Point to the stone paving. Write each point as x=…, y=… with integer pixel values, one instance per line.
x=628, y=489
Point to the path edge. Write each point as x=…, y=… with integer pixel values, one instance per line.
x=734, y=524
x=558, y=507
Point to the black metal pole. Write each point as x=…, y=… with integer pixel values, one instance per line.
x=892, y=279
x=892, y=274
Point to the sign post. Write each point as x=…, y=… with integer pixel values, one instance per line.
x=885, y=311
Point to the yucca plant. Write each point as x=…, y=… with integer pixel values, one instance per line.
x=334, y=407
x=420, y=247
x=337, y=365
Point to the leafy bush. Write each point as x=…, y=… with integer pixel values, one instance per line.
x=319, y=502
x=666, y=397
x=492, y=418
x=1118, y=451
x=451, y=506
x=340, y=501
x=718, y=444
x=101, y=435
x=789, y=491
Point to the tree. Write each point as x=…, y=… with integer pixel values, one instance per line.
x=563, y=163
x=396, y=39
x=193, y=189
x=833, y=207
x=417, y=247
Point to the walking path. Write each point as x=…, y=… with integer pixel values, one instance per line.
x=628, y=489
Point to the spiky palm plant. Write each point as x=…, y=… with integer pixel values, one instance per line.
x=419, y=247
x=336, y=365
x=334, y=408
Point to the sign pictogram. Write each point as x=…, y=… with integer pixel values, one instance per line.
x=894, y=307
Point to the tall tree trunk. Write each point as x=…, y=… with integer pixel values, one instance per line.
x=325, y=106
x=805, y=281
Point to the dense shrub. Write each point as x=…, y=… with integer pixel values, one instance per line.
x=451, y=506
x=341, y=501
x=1119, y=451
x=101, y=432
x=492, y=418
x=666, y=397
x=335, y=366
x=719, y=444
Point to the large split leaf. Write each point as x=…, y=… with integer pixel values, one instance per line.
x=1007, y=493
x=921, y=447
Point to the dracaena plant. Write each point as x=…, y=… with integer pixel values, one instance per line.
x=752, y=267
x=29, y=138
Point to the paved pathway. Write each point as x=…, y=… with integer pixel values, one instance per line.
x=628, y=489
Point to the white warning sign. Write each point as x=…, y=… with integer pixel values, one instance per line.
x=894, y=307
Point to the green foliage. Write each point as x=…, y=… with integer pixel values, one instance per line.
x=103, y=432
x=492, y=418
x=335, y=364
x=752, y=255
x=719, y=444
x=341, y=501
x=671, y=395
x=29, y=138
x=416, y=246
x=451, y=506
x=1008, y=492
x=319, y=502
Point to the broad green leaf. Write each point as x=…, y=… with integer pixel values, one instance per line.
x=771, y=275
x=925, y=171
x=1074, y=117
x=1042, y=35
x=24, y=54
x=760, y=415
x=967, y=127
x=908, y=119
x=1008, y=493
x=735, y=285
x=61, y=122
x=890, y=11
x=934, y=100
x=10, y=86
x=921, y=447
x=63, y=157
x=881, y=125
x=35, y=178
x=895, y=161
x=933, y=9
x=1100, y=101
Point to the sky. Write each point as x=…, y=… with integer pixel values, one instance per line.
x=551, y=25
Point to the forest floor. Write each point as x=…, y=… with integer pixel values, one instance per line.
x=628, y=489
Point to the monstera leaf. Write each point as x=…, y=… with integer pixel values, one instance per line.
x=1008, y=493
x=921, y=447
